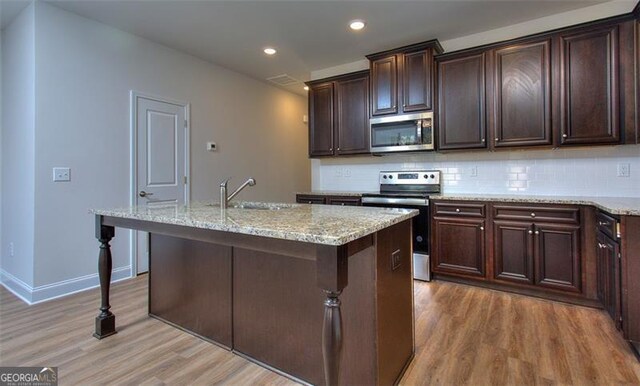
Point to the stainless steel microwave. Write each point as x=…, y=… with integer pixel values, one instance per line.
x=409, y=132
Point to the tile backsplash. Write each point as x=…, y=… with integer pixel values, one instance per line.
x=576, y=171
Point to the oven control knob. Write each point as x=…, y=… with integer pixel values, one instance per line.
x=432, y=176
x=419, y=239
x=426, y=176
x=391, y=177
x=384, y=176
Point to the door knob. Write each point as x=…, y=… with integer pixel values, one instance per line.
x=144, y=194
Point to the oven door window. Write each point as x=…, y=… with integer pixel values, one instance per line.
x=396, y=134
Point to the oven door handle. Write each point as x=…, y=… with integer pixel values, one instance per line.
x=396, y=201
x=419, y=131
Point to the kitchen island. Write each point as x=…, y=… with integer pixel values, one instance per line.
x=320, y=294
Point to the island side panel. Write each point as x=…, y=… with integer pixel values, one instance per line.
x=394, y=289
x=190, y=286
x=279, y=311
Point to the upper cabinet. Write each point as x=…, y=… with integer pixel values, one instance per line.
x=461, y=102
x=402, y=79
x=589, y=86
x=521, y=91
x=339, y=115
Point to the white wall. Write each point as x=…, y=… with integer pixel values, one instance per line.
x=84, y=71
x=18, y=130
x=573, y=172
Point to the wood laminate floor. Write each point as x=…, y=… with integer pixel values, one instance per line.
x=464, y=335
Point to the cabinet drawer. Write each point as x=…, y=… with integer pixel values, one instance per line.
x=309, y=199
x=344, y=201
x=607, y=225
x=459, y=209
x=555, y=214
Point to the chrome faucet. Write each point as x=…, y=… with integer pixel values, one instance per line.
x=224, y=199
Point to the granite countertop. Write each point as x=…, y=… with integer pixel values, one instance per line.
x=318, y=224
x=622, y=206
x=625, y=206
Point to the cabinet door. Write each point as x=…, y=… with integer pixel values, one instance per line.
x=384, y=86
x=321, y=120
x=352, y=115
x=459, y=246
x=609, y=277
x=417, y=87
x=601, y=270
x=522, y=112
x=557, y=256
x=513, y=251
x=461, y=111
x=589, y=87
x=310, y=199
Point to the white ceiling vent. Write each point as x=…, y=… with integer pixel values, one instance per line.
x=283, y=80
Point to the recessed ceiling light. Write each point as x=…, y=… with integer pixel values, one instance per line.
x=306, y=88
x=357, y=25
x=270, y=51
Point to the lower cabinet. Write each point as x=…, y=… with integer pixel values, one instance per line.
x=459, y=246
x=330, y=200
x=531, y=249
x=608, y=266
x=513, y=252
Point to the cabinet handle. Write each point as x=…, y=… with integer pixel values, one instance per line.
x=458, y=210
x=404, y=105
x=330, y=149
x=537, y=232
x=481, y=228
x=533, y=215
x=530, y=232
x=482, y=139
x=497, y=139
x=310, y=202
x=603, y=223
x=338, y=149
x=564, y=135
x=342, y=203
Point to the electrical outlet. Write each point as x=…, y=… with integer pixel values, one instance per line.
x=473, y=171
x=211, y=146
x=347, y=172
x=61, y=174
x=624, y=170
x=11, y=249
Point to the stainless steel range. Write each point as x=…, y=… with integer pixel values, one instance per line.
x=410, y=189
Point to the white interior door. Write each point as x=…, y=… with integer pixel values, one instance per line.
x=161, y=154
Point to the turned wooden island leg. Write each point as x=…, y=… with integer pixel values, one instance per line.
x=106, y=320
x=332, y=275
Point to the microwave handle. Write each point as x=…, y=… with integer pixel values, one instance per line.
x=419, y=130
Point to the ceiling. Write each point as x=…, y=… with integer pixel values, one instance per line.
x=309, y=35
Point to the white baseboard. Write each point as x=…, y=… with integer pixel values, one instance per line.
x=43, y=293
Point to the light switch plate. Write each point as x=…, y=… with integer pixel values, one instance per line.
x=61, y=174
x=473, y=171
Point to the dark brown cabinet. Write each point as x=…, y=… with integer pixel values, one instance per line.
x=522, y=95
x=404, y=75
x=459, y=246
x=557, y=256
x=339, y=115
x=609, y=275
x=513, y=251
x=328, y=199
x=384, y=85
x=589, y=86
x=461, y=102
x=321, y=119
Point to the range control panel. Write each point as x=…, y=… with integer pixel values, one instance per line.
x=413, y=177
